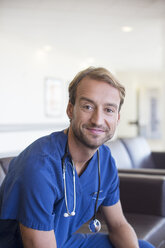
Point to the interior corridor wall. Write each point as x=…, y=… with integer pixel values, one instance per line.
x=56, y=39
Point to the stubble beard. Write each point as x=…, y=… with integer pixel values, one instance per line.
x=83, y=138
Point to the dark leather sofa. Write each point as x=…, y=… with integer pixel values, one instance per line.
x=142, y=187
x=4, y=166
x=133, y=155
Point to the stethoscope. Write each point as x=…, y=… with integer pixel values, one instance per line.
x=94, y=225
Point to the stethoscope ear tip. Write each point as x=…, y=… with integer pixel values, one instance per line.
x=71, y=214
x=66, y=215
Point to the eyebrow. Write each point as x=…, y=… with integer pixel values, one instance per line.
x=86, y=99
x=107, y=104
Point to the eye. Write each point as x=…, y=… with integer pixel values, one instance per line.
x=110, y=110
x=87, y=107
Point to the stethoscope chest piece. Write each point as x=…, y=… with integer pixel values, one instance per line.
x=94, y=225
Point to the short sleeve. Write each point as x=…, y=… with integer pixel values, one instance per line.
x=113, y=194
x=30, y=197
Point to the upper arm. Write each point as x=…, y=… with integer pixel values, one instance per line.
x=34, y=238
x=113, y=215
x=33, y=194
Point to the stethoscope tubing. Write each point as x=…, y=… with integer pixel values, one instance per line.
x=98, y=191
x=72, y=213
x=68, y=213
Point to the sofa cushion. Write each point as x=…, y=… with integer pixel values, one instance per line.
x=120, y=154
x=2, y=174
x=148, y=227
x=5, y=163
x=142, y=194
x=139, y=152
x=4, y=166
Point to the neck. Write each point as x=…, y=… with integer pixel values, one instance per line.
x=80, y=153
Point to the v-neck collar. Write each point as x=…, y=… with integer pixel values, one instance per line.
x=92, y=168
x=89, y=170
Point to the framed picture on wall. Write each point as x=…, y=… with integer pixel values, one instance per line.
x=54, y=97
x=154, y=127
x=149, y=113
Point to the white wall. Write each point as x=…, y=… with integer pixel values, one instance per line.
x=40, y=39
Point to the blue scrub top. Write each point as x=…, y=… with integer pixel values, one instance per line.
x=33, y=190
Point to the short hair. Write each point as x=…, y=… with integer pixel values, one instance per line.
x=96, y=73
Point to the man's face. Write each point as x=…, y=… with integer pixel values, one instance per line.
x=95, y=115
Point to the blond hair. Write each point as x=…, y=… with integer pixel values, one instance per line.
x=96, y=73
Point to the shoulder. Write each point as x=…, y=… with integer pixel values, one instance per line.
x=48, y=145
x=41, y=158
x=105, y=152
x=106, y=159
x=44, y=148
x=109, y=176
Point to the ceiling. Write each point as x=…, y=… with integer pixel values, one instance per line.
x=91, y=31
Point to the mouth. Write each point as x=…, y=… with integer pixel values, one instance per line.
x=96, y=131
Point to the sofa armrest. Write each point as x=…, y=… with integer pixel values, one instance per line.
x=2, y=175
x=144, y=171
x=5, y=163
x=159, y=160
x=143, y=194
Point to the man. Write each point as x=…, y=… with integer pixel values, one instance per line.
x=57, y=183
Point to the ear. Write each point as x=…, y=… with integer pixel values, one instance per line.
x=69, y=110
x=118, y=120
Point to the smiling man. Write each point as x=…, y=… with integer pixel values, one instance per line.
x=95, y=113
x=57, y=183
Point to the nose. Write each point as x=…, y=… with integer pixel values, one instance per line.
x=97, y=117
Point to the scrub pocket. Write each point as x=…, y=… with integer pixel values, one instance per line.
x=87, y=208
